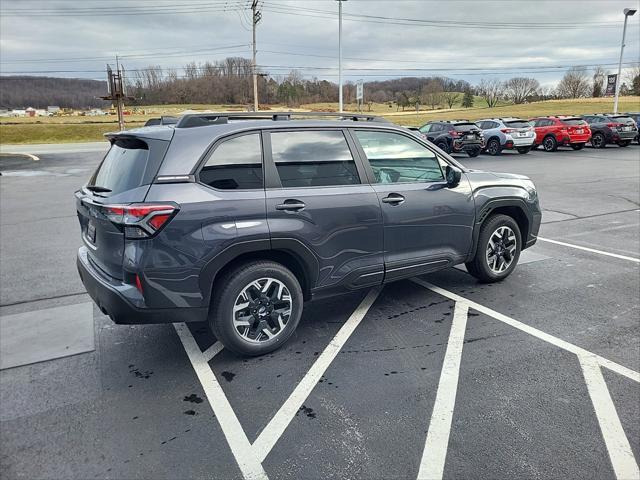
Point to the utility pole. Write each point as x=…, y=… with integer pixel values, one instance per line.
x=256, y=18
x=117, y=95
x=628, y=12
x=340, y=54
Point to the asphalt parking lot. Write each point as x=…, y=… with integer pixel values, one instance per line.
x=536, y=377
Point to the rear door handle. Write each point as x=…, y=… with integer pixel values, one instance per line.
x=393, y=199
x=291, y=205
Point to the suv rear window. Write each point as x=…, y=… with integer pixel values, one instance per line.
x=517, y=124
x=622, y=119
x=123, y=167
x=465, y=127
x=573, y=121
x=308, y=158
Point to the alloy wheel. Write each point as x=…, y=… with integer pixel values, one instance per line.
x=261, y=310
x=501, y=249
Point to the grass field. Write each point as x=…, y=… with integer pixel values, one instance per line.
x=85, y=129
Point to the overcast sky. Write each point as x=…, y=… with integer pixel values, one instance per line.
x=467, y=39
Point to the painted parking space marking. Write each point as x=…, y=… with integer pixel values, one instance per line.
x=435, y=448
x=250, y=456
x=624, y=463
x=622, y=459
x=248, y=463
x=591, y=250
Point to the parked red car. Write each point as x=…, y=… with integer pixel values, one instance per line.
x=551, y=132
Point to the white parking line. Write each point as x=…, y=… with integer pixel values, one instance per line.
x=622, y=459
x=435, y=448
x=280, y=421
x=558, y=342
x=250, y=466
x=592, y=250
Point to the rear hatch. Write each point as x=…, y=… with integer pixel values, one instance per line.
x=468, y=132
x=625, y=125
x=123, y=177
x=576, y=126
x=518, y=128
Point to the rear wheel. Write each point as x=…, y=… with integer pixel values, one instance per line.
x=494, y=147
x=598, y=140
x=256, y=308
x=523, y=150
x=550, y=144
x=498, y=250
x=444, y=146
x=474, y=152
x=624, y=143
x=577, y=146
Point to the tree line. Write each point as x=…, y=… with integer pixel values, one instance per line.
x=230, y=82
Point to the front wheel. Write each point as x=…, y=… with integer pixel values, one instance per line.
x=598, y=141
x=498, y=249
x=256, y=307
x=624, y=143
x=550, y=144
x=474, y=152
x=523, y=150
x=577, y=146
x=494, y=147
x=442, y=145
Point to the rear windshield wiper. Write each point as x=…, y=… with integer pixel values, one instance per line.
x=98, y=189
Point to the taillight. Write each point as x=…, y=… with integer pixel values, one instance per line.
x=614, y=125
x=140, y=220
x=508, y=130
x=454, y=133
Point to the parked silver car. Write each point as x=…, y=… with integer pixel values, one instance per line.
x=507, y=133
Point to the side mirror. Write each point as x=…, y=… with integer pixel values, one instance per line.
x=453, y=176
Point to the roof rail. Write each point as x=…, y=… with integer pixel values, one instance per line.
x=212, y=118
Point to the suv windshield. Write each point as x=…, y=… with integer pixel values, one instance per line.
x=517, y=124
x=123, y=167
x=573, y=121
x=465, y=127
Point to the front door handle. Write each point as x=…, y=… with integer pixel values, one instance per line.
x=291, y=205
x=393, y=199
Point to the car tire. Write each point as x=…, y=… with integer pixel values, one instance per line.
x=493, y=147
x=624, y=143
x=523, y=150
x=550, y=144
x=598, y=140
x=489, y=268
x=264, y=331
x=474, y=152
x=577, y=146
x=444, y=146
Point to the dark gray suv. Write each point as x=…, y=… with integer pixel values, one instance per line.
x=237, y=219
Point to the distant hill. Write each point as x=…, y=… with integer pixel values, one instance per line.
x=40, y=92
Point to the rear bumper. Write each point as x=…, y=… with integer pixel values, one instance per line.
x=573, y=139
x=465, y=145
x=116, y=299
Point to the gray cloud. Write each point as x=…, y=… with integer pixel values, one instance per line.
x=171, y=40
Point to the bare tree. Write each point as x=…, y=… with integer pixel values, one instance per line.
x=599, y=81
x=574, y=84
x=633, y=79
x=450, y=98
x=433, y=93
x=491, y=90
x=519, y=89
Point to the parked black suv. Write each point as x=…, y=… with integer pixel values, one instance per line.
x=237, y=219
x=455, y=136
x=611, y=128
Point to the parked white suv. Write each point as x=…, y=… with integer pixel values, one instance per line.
x=507, y=133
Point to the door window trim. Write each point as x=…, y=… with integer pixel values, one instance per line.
x=272, y=177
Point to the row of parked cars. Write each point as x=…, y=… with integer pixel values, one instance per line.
x=493, y=135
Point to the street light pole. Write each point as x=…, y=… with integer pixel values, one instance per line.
x=628, y=12
x=340, y=54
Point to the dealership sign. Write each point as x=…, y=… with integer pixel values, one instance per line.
x=611, y=85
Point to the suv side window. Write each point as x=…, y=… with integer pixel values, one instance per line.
x=395, y=158
x=235, y=164
x=435, y=127
x=425, y=128
x=309, y=158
